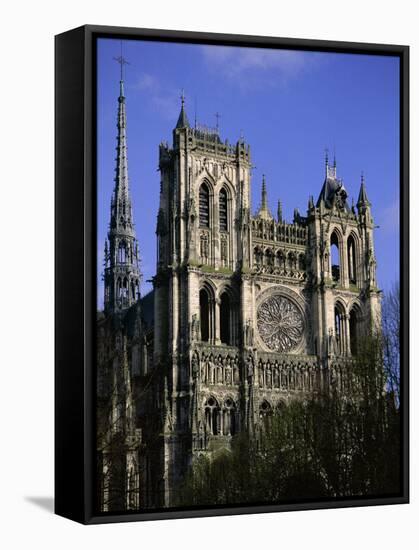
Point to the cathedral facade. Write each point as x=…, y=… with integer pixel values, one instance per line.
x=248, y=311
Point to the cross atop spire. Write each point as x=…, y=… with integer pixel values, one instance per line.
x=122, y=61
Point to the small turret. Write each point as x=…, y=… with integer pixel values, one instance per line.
x=182, y=121
x=363, y=203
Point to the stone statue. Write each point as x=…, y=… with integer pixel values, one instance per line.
x=195, y=327
x=248, y=333
x=249, y=369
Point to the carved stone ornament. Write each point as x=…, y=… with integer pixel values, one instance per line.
x=280, y=323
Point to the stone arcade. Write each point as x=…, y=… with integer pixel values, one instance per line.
x=248, y=311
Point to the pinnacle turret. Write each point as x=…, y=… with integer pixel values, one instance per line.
x=279, y=211
x=362, y=197
x=182, y=121
x=264, y=211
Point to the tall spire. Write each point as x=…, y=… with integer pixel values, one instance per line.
x=182, y=121
x=122, y=276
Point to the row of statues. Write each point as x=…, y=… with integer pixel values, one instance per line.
x=221, y=370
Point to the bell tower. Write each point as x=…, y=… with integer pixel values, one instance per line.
x=345, y=297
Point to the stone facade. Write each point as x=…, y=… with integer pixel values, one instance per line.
x=250, y=311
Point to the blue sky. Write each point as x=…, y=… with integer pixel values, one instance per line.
x=289, y=105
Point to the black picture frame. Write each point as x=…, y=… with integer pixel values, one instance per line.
x=75, y=266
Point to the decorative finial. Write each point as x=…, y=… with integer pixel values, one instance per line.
x=326, y=157
x=241, y=135
x=217, y=120
x=334, y=158
x=182, y=97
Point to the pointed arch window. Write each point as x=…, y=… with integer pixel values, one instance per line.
x=225, y=315
x=207, y=314
x=204, y=214
x=204, y=314
x=122, y=252
x=223, y=216
x=212, y=415
x=340, y=328
x=335, y=257
x=354, y=329
x=352, y=260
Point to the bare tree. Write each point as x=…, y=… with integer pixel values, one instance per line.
x=391, y=340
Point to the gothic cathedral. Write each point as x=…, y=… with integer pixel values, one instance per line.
x=248, y=311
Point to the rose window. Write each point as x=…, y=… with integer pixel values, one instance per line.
x=280, y=323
